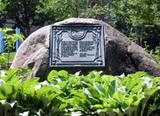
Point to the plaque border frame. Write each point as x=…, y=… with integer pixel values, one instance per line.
x=85, y=64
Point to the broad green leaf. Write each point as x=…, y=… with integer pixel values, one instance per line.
x=10, y=74
x=151, y=91
x=108, y=78
x=112, y=87
x=7, y=89
x=101, y=90
x=138, y=88
x=63, y=73
x=53, y=74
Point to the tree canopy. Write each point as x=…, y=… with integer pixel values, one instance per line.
x=23, y=13
x=138, y=19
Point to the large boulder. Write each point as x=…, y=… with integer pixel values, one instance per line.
x=122, y=55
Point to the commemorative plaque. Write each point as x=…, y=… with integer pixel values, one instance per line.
x=77, y=46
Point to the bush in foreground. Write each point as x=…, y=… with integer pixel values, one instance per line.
x=68, y=94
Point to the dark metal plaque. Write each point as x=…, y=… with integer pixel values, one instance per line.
x=77, y=46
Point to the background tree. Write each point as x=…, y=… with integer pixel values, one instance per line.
x=2, y=12
x=138, y=19
x=23, y=13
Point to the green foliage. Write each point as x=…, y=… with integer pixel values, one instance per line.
x=2, y=5
x=138, y=19
x=68, y=94
x=24, y=14
x=61, y=9
x=3, y=60
x=155, y=54
x=10, y=40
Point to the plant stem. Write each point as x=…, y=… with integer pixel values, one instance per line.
x=8, y=58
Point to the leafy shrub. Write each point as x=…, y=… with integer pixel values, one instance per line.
x=156, y=54
x=3, y=61
x=10, y=40
x=67, y=94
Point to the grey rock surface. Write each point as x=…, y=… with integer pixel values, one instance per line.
x=121, y=55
